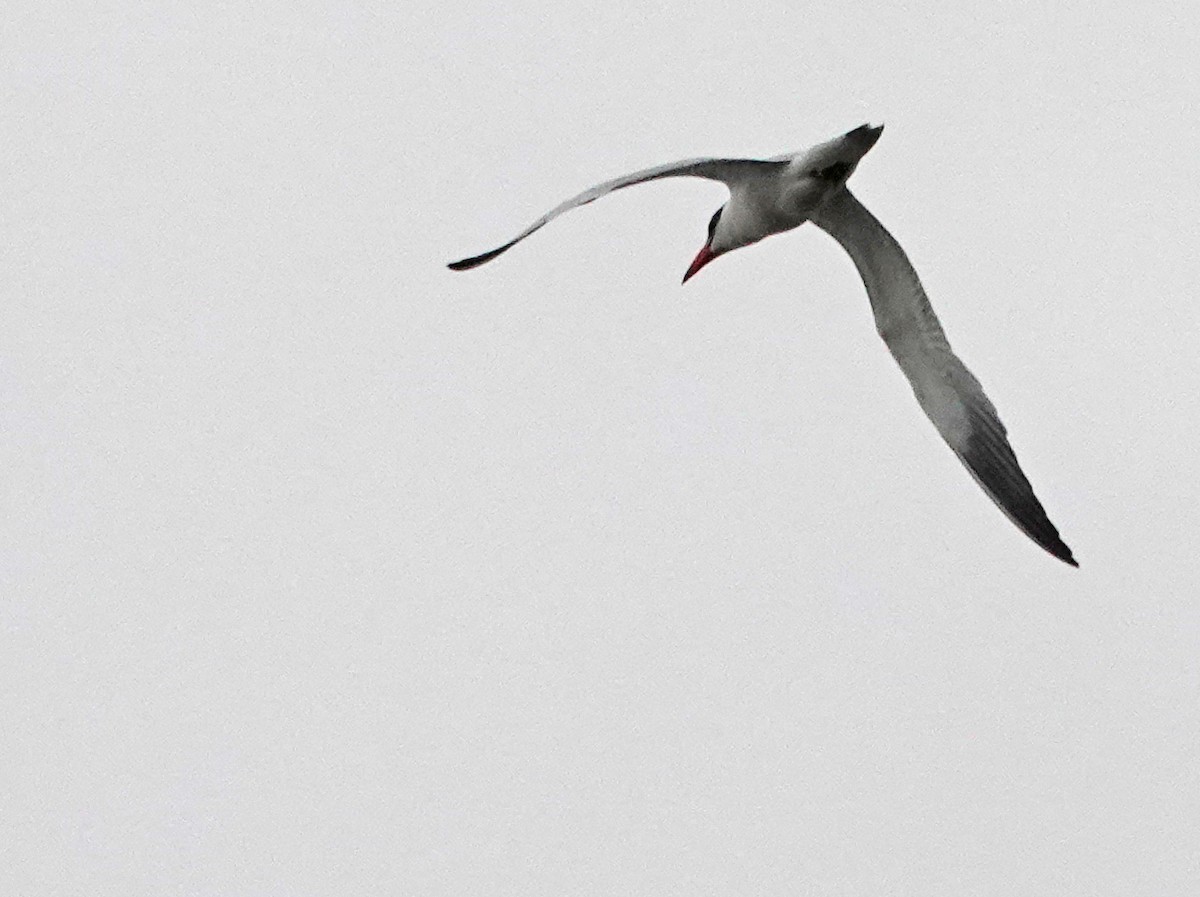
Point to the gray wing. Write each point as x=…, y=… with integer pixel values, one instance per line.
x=947, y=392
x=727, y=170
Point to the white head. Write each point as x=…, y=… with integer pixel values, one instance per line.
x=810, y=179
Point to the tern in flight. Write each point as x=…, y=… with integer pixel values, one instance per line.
x=775, y=195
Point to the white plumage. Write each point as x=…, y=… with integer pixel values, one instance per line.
x=775, y=195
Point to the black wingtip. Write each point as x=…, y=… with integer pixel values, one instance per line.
x=1063, y=553
x=1046, y=535
x=466, y=264
x=1038, y=527
x=991, y=460
x=476, y=260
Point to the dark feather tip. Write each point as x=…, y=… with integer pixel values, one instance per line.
x=477, y=260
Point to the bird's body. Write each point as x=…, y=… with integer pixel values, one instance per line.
x=776, y=195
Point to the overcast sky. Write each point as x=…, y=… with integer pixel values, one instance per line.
x=326, y=570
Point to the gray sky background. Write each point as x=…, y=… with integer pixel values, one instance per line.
x=328, y=571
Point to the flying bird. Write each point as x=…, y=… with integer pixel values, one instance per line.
x=774, y=195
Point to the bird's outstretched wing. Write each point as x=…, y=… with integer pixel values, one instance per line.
x=948, y=392
x=729, y=171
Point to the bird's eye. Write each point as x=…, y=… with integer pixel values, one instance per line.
x=834, y=172
x=712, y=223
